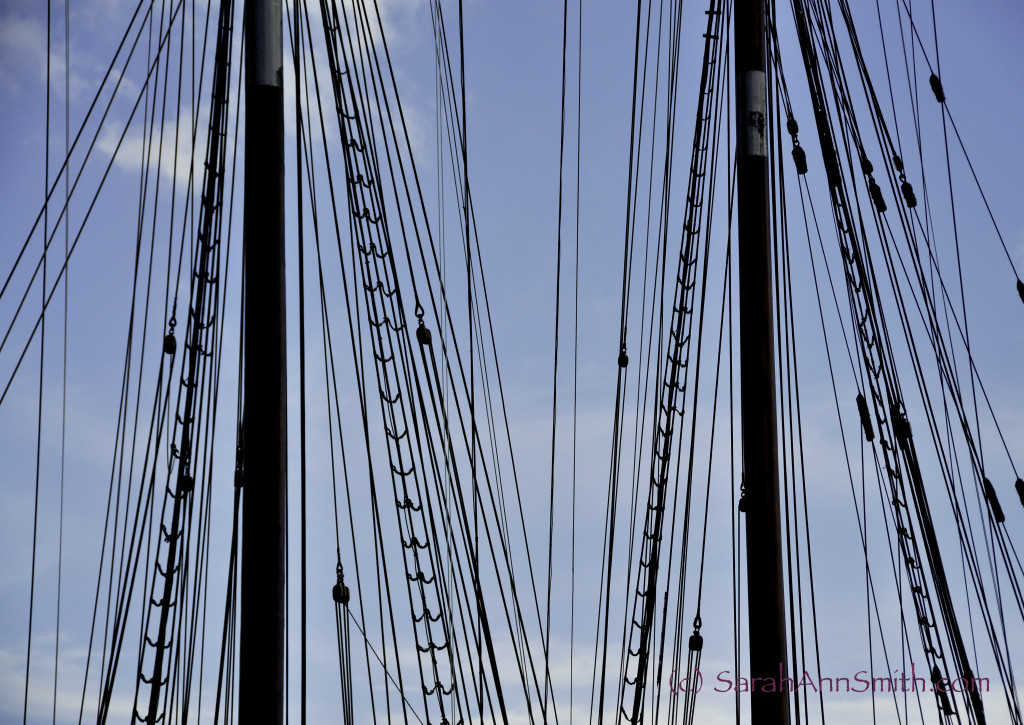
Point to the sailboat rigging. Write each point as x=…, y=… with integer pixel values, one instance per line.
x=737, y=560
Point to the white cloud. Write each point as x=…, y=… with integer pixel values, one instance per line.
x=167, y=149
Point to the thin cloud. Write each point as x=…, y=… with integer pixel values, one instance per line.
x=22, y=55
x=168, y=149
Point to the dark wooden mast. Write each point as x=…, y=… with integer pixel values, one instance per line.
x=769, y=698
x=264, y=499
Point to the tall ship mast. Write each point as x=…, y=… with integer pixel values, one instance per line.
x=508, y=445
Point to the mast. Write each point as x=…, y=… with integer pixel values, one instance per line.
x=769, y=699
x=264, y=427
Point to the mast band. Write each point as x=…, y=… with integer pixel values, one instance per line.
x=266, y=65
x=752, y=139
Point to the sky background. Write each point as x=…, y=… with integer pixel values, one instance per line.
x=513, y=60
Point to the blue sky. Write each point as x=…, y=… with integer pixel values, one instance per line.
x=513, y=85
